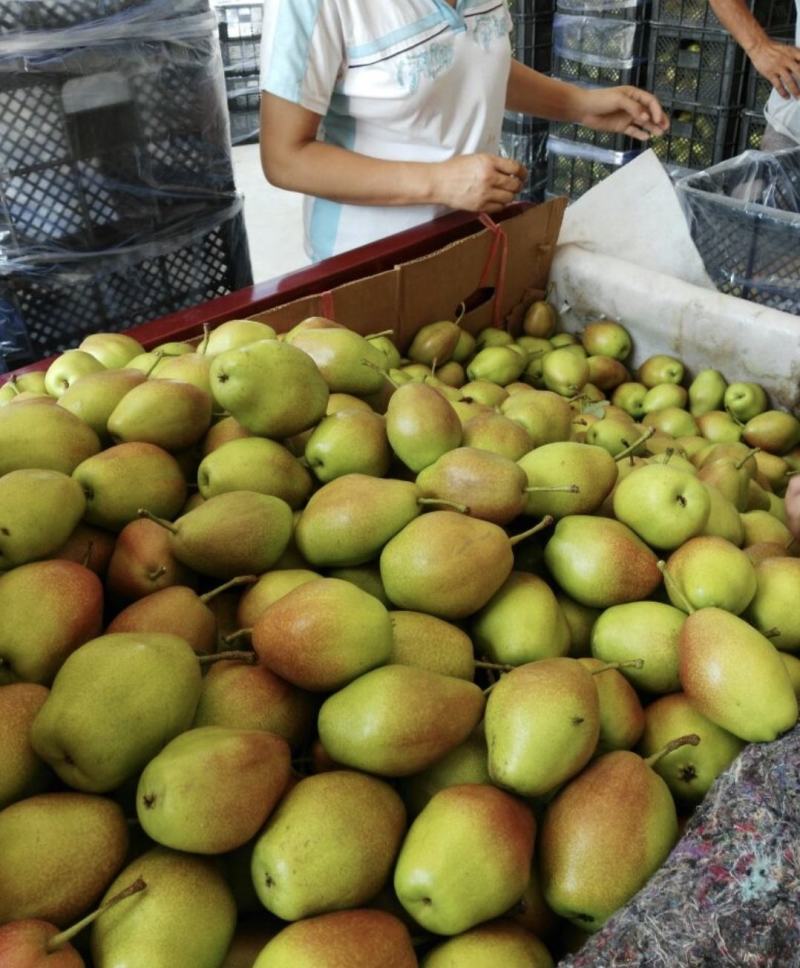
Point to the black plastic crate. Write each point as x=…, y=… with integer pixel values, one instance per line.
x=592, y=51
x=50, y=308
x=240, y=26
x=572, y=169
x=25, y=15
x=698, y=136
x=757, y=90
x=745, y=220
x=244, y=107
x=525, y=140
x=638, y=10
x=532, y=40
x=772, y=15
x=588, y=136
x=751, y=131
x=695, y=66
x=527, y=8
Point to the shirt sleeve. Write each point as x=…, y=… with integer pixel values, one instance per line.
x=302, y=51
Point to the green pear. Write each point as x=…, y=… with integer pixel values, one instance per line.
x=489, y=945
x=590, y=469
x=447, y=564
x=670, y=457
x=540, y=319
x=343, y=938
x=773, y=607
x=580, y=622
x=586, y=833
x=762, y=526
x=719, y=427
x=664, y=505
x=792, y=664
x=600, y=562
x=349, y=442
x=664, y=395
x=246, y=697
x=67, y=368
x=607, y=337
x=311, y=322
x=724, y=520
x=39, y=509
x=143, y=561
x=774, y=468
x=764, y=549
x=113, y=350
x=542, y=725
x=493, y=432
x=431, y=643
x=558, y=340
x=734, y=676
x=43, y=438
x=94, y=397
x=660, y=369
x=532, y=911
x=120, y=480
x=729, y=478
x=22, y=773
x=493, y=337
x=649, y=631
x=211, y=789
x=383, y=343
x=150, y=364
x=167, y=413
x=615, y=435
x=366, y=577
x=465, y=347
x=58, y=852
x=49, y=609
x=83, y=730
x=194, y=368
x=606, y=373
x=267, y=590
x=398, y=720
x=88, y=546
x=744, y=400
x=254, y=464
x=310, y=860
x=447, y=897
x=706, y=392
x=323, y=634
x=237, y=533
x=485, y=392
x=346, y=401
x=348, y=362
x=186, y=915
x=522, y=622
x=248, y=943
x=235, y=333
x=465, y=411
x=546, y=416
x=414, y=373
x=564, y=372
x=708, y=571
x=688, y=771
x=497, y=364
x=421, y=425
x=272, y=388
x=774, y=431
x=630, y=397
x=621, y=715
x=671, y=420
x=467, y=763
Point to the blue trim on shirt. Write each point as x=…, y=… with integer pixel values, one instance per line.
x=394, y=37
x=451, y=15
x=340, y=129
x=288, y=63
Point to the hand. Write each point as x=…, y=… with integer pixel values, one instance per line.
x=623, y=110
x=792, y=504
x=779, y=63
x=478, y=183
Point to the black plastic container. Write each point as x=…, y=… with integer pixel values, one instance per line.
x=532, y=40
x=772, y=15
x=595, y=52
x=572, y=169
x=694, y=66
x=698, y=136
x=751, y=131
x=240, y=36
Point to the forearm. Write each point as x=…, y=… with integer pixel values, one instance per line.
x=534, y=93
x=740, y=23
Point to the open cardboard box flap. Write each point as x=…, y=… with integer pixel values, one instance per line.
x=433, y=287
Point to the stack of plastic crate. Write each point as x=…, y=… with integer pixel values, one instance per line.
x=779, y=23
x=117, y=200
x=596, y=43
x=240, y=41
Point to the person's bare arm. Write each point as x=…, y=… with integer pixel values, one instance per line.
x=626, y=110
x=292, y=158
x=778, y=63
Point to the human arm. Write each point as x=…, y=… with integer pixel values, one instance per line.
x=624, y=110
x=778, y=63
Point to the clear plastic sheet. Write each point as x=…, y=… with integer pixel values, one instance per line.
x=114, y=136
x=594, y=40
x=744, y=215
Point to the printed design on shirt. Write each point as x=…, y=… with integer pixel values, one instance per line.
x=489, y=27
x=427, y=62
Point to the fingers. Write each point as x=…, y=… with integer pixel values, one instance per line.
x=777, y=83
x=653, y=110
x=790, y=82
x=508, y=166
x=639, y=133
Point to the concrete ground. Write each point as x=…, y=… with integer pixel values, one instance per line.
x=274, y=218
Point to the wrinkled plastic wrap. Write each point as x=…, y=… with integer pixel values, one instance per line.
x=114, y=137
x=744, y=216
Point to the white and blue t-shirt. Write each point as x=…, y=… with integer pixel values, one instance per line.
x=401, y=80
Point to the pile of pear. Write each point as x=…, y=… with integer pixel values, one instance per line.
x=315, y=655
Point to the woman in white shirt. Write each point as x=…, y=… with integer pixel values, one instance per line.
x=387, y=113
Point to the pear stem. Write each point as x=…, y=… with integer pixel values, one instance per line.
x=159, y=356
x=498, y=666
x=88, y=555
x=672, y=586
x=488, y=689
x=383, y=373
x=546, y=521
x=63, y=937
x=201, y=349
x=250, y=658
x=441, y=502
x=692, y=739
x=636, y=444
x=628, y=664
x=772, y=633
x=239, y=580
x=743, y=460
x=383, y=332
x=461, y=312
x=566, y=488
x=144, y=513
x=157, y=573
x=239, y=634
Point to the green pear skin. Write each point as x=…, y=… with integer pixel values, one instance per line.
x=346, y=360
x=622, y=718
x=168, y=413
x=45, y=438
x=94, y=396
x=774, y=604
x=58, y=852
x=254, y=464
x=490, y=832
x=350, y=441
x=665, y=506
x=710, y=571
x=542, y=725
x=431, y=643
x=734, y=676
x=210, y=789
x=113, y=705
x=591, y=469
x=398, y=720
x=467, y=763
x=489, y=946
x=421, y=425
x=22, y=773
x=313, y=858
x=39, y=509
x=185, y=916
